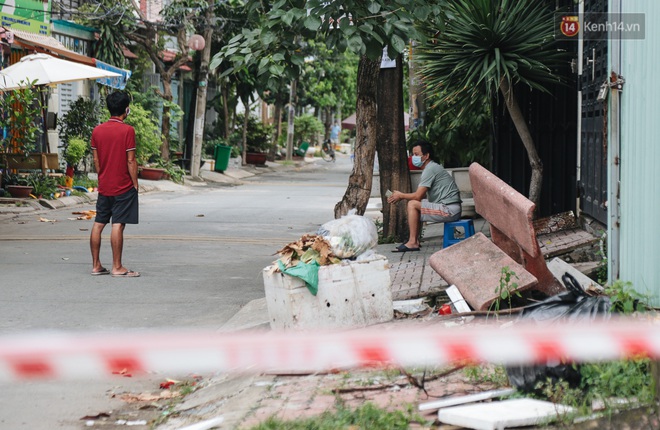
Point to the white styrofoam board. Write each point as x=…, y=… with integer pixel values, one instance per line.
x=457, y=299
x=350, y=294
x=460, y=400
x=504, y=414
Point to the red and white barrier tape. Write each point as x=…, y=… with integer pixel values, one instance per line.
x=96, y=355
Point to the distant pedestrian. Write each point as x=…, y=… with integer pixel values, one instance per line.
x=334, y=133
x=113, y=148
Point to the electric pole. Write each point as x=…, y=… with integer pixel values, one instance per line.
x=200, y=110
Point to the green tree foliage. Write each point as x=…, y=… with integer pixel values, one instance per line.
x=328, y=82
x=459, y=135
x=113, y=22
x=79, y=121
x=307, y=128
x=125, y=22
x=482, y=47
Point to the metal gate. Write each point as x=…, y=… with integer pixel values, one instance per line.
x=593, y=139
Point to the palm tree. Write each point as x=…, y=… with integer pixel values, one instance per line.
x=486, y=46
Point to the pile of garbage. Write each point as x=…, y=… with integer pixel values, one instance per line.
x=349, y=237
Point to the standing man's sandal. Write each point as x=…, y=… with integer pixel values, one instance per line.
x=126, y=274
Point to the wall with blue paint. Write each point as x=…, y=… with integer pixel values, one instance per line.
x=640, y=152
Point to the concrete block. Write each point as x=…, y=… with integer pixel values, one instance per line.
x=474, y=266
x=350, y=294
x=504, y=414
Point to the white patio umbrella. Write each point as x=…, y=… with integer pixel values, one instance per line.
x=48, y=70
x=44, y=70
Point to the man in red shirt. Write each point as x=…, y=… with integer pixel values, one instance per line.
x=113, y=148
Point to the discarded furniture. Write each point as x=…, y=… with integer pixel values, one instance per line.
x=451, y=229
x=302, y=150
x=475, y=265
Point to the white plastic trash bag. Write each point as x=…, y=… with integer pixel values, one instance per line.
x=350, y=235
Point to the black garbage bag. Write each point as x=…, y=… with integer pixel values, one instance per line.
x=573, y=305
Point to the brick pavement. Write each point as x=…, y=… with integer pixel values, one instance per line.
x=296, y=397
x=411, y=276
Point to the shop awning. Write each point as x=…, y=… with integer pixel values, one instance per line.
x=118, y=82
x=48, y=45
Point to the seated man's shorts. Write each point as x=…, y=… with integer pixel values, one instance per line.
x=438, y=212
x=123, y=209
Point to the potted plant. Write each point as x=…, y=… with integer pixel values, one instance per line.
x=76, y=149
x=17, y=186
x=258, y=138
x=42, y=185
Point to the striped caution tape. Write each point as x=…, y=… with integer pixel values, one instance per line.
x=97, y=355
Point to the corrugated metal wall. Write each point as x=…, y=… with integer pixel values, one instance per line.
x=640, y=154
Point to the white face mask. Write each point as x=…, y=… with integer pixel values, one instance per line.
x=128, y=111
x=417, y=160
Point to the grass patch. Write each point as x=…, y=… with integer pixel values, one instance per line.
x=367, y=417
x=381, y=238
x=486, y=373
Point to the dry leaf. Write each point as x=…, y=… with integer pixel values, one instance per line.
x=309, y=247
x=85, y=215
x=47, y=220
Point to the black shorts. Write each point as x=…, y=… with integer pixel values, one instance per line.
x=123, y=209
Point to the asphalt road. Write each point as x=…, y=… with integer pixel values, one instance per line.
x=200, y=251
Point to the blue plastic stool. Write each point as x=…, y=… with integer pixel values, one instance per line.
x=450, y=231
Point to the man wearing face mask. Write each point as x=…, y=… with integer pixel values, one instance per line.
x=437, y=199
x=113, y=149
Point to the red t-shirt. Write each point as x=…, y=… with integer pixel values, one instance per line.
x=112, y=140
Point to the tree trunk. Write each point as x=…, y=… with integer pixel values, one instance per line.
x=391, y=147
x=327, y=122
x=366, y=124
x=417, y=97
x=165, y=127
x=290, y=117
x=527, y=140
x=246, y=116
x=277, y=124
x=225, y=109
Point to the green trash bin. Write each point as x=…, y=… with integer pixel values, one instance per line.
x=221, y=154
